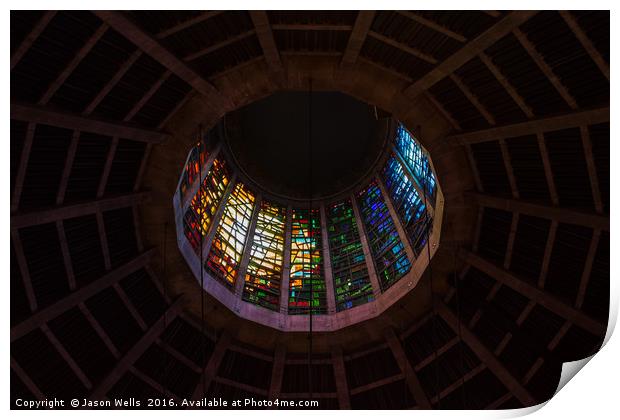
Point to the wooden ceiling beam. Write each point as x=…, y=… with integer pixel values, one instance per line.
x=403, y=47
x=544, y=154
x=32, y=36
x=472, y=98
x=136, y=351
x=110, y=85
x=151, y=46
x=561, y=215
x=67, y=211
x=512, y=179
x=188, y=23
x=433, y=25
x=79, y=296
x=210, y=370
x=533, y=293
x=486, y=356
x=558, y=122
x=43, y=115
x=266, y=39
x=586, y=42
x=75, y=61
x=545, y=68
x=468, y=51
x=415, y=387
x=219, y=45
x=362, y=25
x=147, y=96
x=527, y=110
x=591, y=164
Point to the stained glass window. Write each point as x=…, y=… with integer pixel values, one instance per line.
x=229, y=241
x=195, y=160
x=351, y=283
x=306, y=282
x=205, y=202
x=262, y=279
x=385, y=245
x=417, y=160
x=407, y=203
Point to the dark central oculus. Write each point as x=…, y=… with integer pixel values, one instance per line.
x=270, y=141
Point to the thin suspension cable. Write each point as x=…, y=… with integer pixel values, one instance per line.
x=165, y=353
x=202, y=290
x=311, y=231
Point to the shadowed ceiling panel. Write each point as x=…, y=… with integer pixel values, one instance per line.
x=47, y=369
x=415, y=35
x=567, y=261
x=595, y=23
x=236, y=53
x=432, y=335
x=50, y=53
x=248, y=370
x=45, y=166
x=121, y=235
x=490, y=166
x=22, y=22
x=600, y=138
x=296, y=379
x=529, y=247
x=83, y=344
x=394, y=59
x=494, y=232
x=447, y=368
x=569, y=168
x=458, y=105
x=472, y=291
x=344, y=17
x=545, y=381
x=131, y=88
x=93, y=72
x=165, y=369
x=528, y=169
x=45, y=263
x=84, y=248
x=392, y=396
x=88, y=163
x=561, y=50
x=314, y=41
x=115, y=319
x=489, y=92
x=522, y=72
x=188, y=341
x=20, y=308
x=17, y=139
x=125, y=166
x=144, y=295
x=469, y=23
x=154, y=21
x=475, y=394
x=130, y=386
x=596, y=302
x=163, y=102
x=371, y=367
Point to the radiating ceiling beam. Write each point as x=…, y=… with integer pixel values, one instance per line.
x=545, y=68
x=266, y=39
x=468, y=51
x=107, y=341
x=587, y=269
x=415, y=387
x=23, y=269
x=23, y=376
x=110, y=85
x=23, y=166
x=277, y=372
x=75, y=61
x=136, y=351
x=486, y=356
x=188, y=23
x=66, y=172
x=592, y=174
x=559, y=122
x=147, y=96
x=219, y=45
x=41, y=115
x=69, y=360
x=533, y=293
x=403, y=47
x=358, y=35
x=433, y=25
x=454, y=123
x=32, y=37
x=509, y=169
x=107, y=167
x=210, y=370
x=340, y=377
x=560, y=214
x=66, y=255
x=80, y=295
x=544, y=155
x=38, y=217
x=586, y=42
x=472, y=98
x=527, y=110
x=151, y=46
